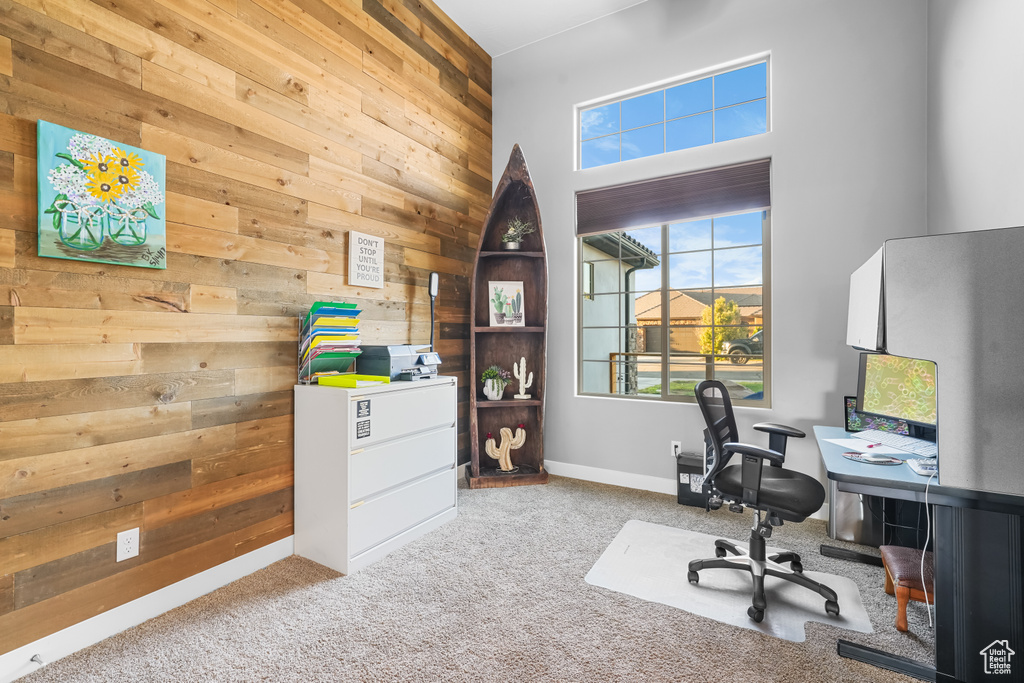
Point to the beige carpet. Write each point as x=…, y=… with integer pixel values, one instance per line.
x=496, y=595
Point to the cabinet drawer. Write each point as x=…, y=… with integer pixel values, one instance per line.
x=397, y=413
x=378, y=520
x=395, y=462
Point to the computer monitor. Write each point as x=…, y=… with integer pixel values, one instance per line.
x=898, y=388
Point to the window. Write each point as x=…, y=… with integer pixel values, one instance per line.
x=664, y=306
x=588, y=280
x=728, y=105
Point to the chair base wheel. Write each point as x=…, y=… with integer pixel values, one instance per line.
x=756, y=614
x=832, y=607
x=692, y=577
x=719, y=552
x=797, y=567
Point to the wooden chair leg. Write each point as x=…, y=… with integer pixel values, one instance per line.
x=902, y=598
x=888, y=581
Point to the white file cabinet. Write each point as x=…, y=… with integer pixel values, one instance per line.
x=374, y=468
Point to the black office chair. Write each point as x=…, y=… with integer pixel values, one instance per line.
x=781, y=494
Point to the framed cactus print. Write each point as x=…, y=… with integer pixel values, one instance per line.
x=100, y=200
x=506, y=303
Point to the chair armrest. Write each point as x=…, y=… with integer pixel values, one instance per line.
x=778, y=435
x=753, y=460
x=774, y=428
x=755, y=451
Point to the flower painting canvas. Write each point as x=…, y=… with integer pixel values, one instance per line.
x=100, y=200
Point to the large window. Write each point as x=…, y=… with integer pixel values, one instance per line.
x=728, y=105
x=663, y=307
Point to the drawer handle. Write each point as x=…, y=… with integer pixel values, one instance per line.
x=356, y=451
x=353, y=506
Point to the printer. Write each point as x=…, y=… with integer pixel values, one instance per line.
x=407, y=362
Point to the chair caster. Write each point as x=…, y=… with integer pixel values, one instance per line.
x=832, y=607
x=756, y=614
x=797, y=566
x=692, y=577
x=719, y=552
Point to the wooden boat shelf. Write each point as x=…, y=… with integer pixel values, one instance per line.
x=524, y=254
x=507, y=403
x=514, y=197
x=507, y=330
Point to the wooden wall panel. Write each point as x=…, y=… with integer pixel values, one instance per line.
x=36, y=510
x=6, y=594
x=162, y=398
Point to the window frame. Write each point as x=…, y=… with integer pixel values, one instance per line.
x=663, y=87
x=666, y=328
x=587, y=279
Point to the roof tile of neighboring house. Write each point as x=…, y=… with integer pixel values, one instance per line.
x=690, y=304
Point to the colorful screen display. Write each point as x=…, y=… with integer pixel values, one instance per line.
x=856, y=422
x=897, y=387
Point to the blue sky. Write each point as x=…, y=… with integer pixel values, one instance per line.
x=737, y=259
x=713, y=109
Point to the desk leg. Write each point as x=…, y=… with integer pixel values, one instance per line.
x=833, y=531
x=884, y=660
x=833, y=493
x=851, y=555
x=979, y=595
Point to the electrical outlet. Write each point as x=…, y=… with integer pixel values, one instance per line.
x=677, y=448
x=127, y=544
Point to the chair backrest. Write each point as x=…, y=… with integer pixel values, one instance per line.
x=716, y=407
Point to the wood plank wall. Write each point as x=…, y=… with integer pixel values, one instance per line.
x=162, y=398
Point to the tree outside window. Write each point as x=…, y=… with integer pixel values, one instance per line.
x=721, y=326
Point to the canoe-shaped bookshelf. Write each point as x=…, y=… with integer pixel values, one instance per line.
x=506, y=343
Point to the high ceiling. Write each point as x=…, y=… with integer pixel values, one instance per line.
x=501, y=26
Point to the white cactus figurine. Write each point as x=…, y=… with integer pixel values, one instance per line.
x=519, y=370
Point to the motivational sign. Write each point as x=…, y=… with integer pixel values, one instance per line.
x=365, y=260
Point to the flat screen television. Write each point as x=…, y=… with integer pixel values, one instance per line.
x=898, y=388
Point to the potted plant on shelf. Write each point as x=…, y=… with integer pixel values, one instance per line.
x=516, y=229
x=495, y=379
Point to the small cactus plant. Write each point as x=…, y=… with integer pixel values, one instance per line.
x=498, y=300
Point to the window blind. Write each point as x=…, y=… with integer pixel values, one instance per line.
x=727, y=189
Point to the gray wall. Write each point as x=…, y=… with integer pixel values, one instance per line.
x=848, y=104
x=975, y=105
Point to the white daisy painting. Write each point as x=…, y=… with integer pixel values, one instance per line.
x=100, y=200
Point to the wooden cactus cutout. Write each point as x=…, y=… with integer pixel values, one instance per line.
x=508, y=443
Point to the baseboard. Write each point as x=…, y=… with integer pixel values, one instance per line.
x=643, y=482
x=19, y=662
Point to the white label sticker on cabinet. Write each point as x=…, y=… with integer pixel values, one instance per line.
x=362, y=429
x=362, y=409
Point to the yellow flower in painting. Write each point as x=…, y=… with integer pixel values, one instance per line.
x=126, y=161
x=126, y=178
x=98, y=165
x=104, y=186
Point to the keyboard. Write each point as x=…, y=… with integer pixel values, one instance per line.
x=925, y=449
x=926, y=467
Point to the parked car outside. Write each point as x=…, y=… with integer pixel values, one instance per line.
x=740, y=350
